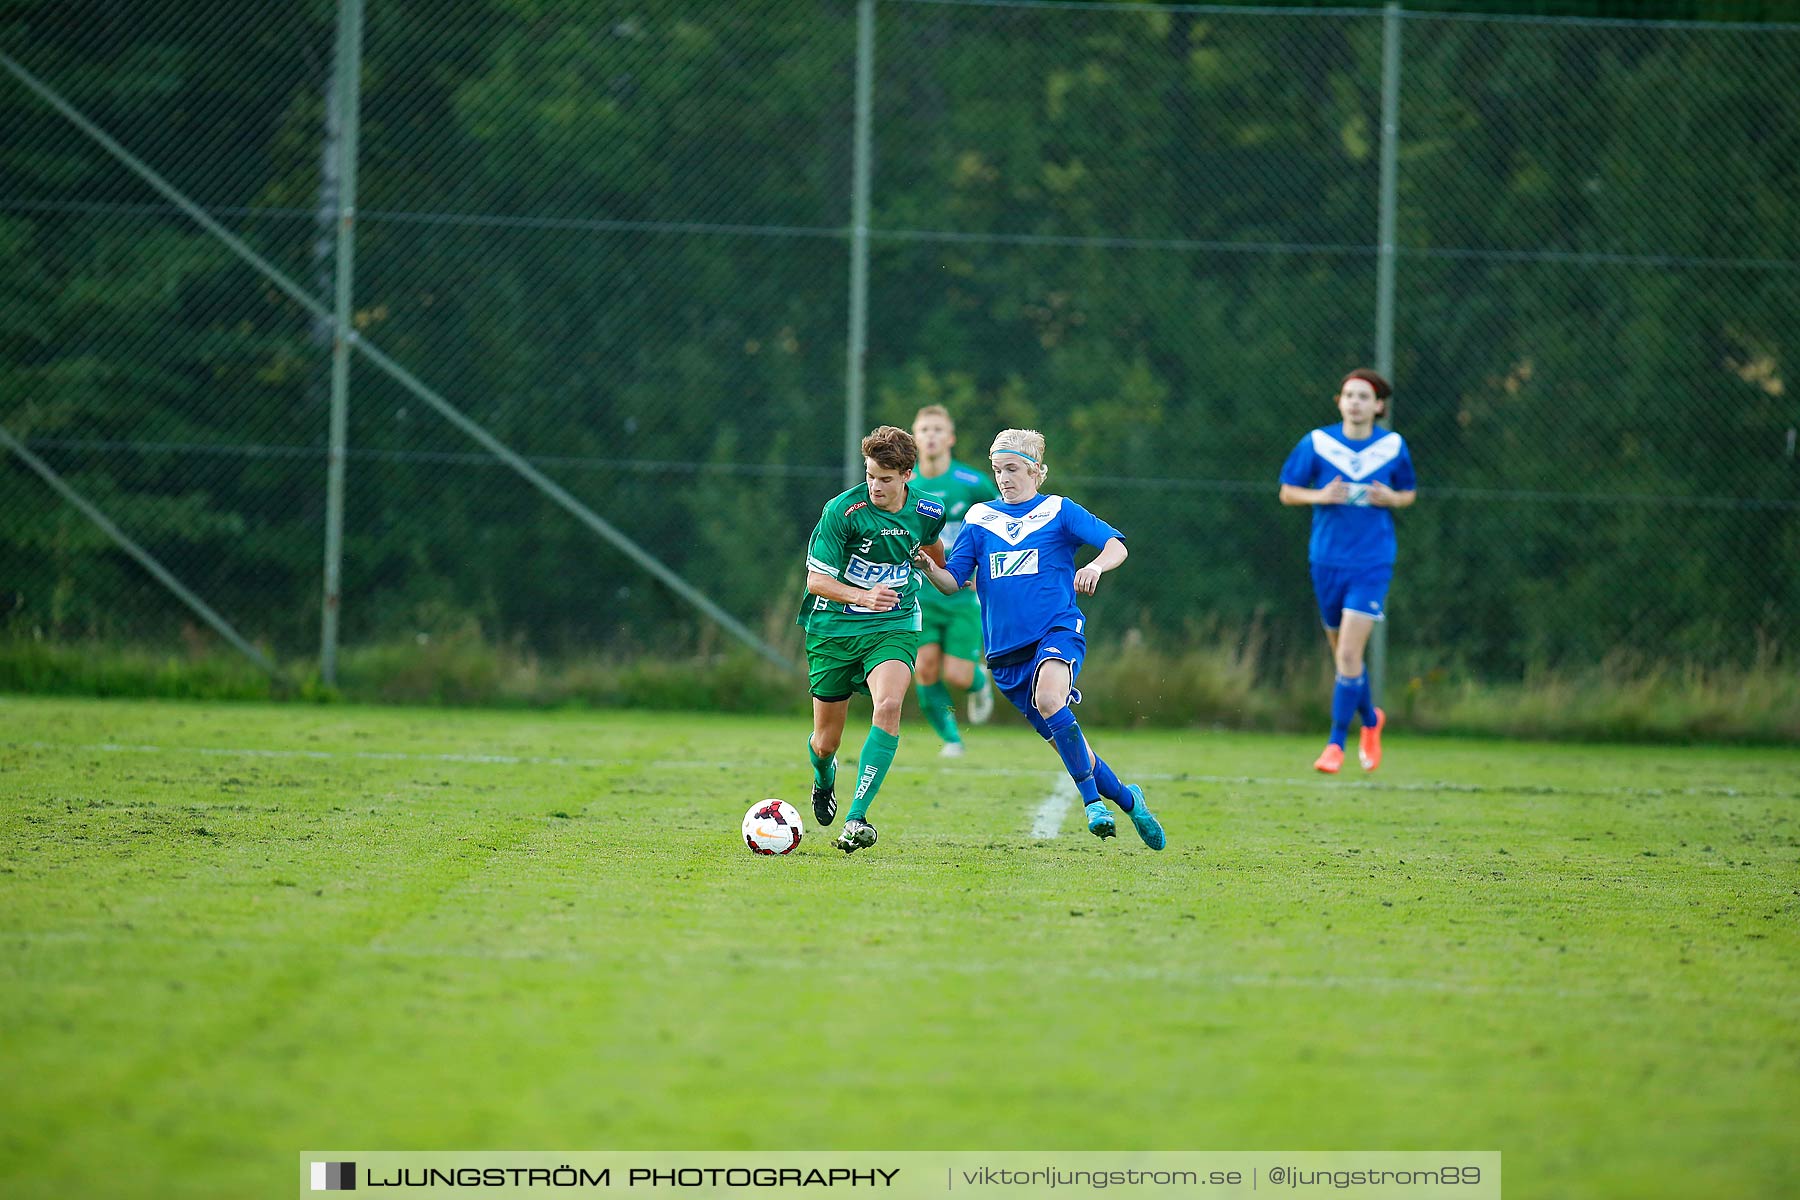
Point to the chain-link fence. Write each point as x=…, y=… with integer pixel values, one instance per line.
x=614, y=240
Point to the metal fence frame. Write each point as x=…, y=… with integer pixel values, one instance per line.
x=342, y=136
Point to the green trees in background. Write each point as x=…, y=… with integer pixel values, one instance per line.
x=614, y=234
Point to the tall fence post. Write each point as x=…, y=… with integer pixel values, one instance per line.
x=348, y=100
x=309, y=303
x=857, y=351
x=1384, y=262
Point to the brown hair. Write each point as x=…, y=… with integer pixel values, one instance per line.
x=1383, y=389
x=891, y=447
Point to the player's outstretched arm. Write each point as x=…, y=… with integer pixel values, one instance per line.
x=1087, y=579
x=940, y=578
x=879, y=598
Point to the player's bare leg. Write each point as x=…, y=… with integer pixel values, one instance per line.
x=822, y=746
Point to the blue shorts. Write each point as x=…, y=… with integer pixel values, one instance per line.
x=1351, y=589
x=1016, y=682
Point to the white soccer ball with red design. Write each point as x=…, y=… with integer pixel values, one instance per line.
x=772, y=827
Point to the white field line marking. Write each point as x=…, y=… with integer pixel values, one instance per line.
x=1309, y=780
x=1047, y=821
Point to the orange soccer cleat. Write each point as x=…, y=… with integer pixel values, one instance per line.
x=1369, y=749
x=1330, y=760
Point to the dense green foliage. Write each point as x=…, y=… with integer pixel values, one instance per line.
x=615, y=234
x=234, y=932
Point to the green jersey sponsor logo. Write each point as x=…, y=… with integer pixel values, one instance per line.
x=860, y=572
x=864, y=546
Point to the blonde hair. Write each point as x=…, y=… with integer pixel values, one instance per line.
x=935, y=410
x=1029, y=444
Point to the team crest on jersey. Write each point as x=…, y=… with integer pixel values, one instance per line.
x=1013, y=530
x=929, y=508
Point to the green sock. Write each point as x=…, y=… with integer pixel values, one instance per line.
x=980, y=679
x=934, y=702
x=824, y=766
x=877, y=756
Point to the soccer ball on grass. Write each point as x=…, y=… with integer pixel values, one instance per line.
x=772, y=827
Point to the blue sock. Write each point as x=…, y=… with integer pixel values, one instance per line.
x=1343, y=707
x=1065, y=735
x=1365, y=703
x=1109, y=785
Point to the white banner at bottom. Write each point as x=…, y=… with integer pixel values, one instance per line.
x=911, y=1174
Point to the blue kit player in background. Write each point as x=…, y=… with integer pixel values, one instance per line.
x=1020, y=549
x=1355, y=475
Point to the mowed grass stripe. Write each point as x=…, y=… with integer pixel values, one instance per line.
x=1353, y=783
x=386, y=946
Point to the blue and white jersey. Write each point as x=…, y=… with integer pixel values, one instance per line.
x=1023, y=559
x=1354, y=534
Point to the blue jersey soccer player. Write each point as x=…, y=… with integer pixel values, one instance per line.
x=1020, y=550
x=950, y=644
x=1355, y=474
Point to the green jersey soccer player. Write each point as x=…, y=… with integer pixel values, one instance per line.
x=950, y=644
x=862, y=620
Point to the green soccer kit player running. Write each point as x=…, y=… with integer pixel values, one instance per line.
x=862, y=622
x=950, y=642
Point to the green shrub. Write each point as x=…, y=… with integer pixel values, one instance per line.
x=1217, y=679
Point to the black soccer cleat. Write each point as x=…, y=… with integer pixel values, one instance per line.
x=824, y=806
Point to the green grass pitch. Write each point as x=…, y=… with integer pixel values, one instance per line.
x=231, y=933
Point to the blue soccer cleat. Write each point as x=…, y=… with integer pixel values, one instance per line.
x=1148, y=827
x=1100, y=821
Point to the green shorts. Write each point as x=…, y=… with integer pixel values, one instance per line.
x=955, y=627
x=839, y=666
